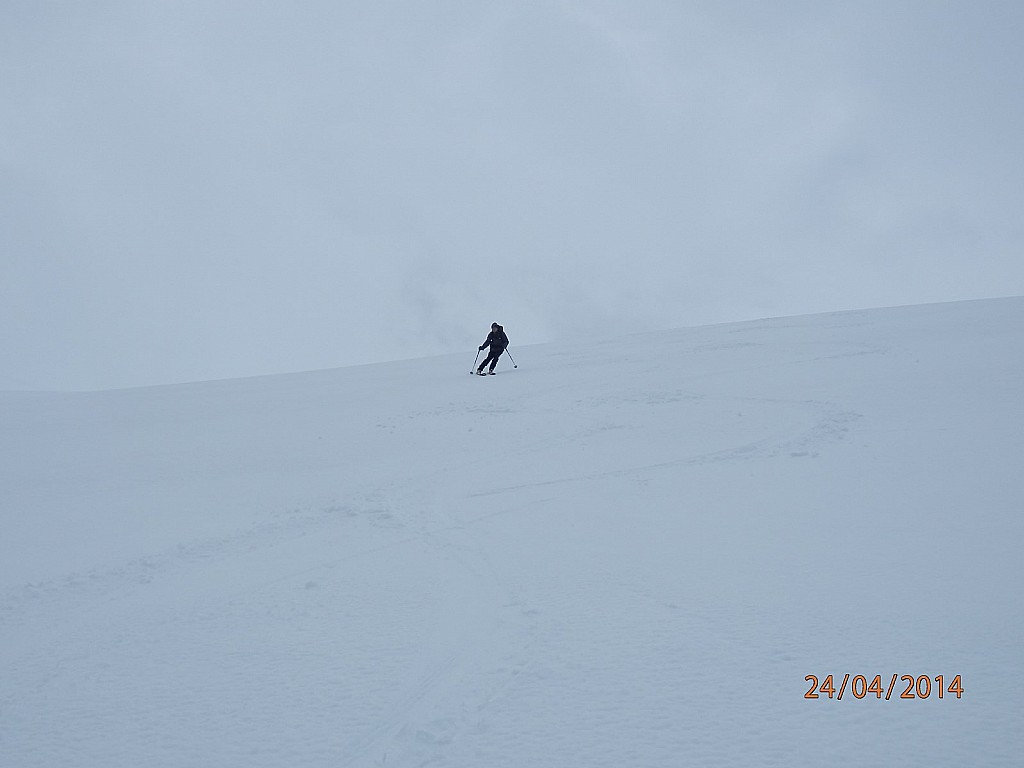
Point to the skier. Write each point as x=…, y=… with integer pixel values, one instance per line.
x=497, y=341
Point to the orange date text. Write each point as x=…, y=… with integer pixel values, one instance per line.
x=888, y=688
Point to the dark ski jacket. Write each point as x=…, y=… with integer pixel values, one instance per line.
x=496, y=340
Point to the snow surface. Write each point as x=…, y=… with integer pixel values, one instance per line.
x=628, y=552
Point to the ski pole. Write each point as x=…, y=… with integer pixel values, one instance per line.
x=510, y=358
x=473, y=369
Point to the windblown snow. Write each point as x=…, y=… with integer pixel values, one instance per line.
x=629, y=552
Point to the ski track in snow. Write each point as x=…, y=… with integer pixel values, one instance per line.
x=565, y=571
x=406, y=724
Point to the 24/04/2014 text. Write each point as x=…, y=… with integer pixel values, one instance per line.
x=920, y=687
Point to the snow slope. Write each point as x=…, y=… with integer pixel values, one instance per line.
x=628, y=552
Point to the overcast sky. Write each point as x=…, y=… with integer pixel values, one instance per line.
x=221, y=188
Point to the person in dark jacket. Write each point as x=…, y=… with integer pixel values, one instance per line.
x=497, y=341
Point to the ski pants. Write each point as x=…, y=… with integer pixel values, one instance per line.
x=492, y=358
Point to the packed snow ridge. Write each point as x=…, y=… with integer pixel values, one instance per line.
x=632, y=552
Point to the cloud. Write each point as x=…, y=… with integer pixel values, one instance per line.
x=197, y=190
